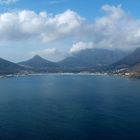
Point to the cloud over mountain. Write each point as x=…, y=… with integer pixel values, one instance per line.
x=116, y=29
x=79, y=46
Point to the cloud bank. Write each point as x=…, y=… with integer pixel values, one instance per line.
x=116, y=29
x=25, y=24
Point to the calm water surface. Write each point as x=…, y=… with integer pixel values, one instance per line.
x=69, y=107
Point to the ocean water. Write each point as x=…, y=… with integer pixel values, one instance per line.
x=69, y=107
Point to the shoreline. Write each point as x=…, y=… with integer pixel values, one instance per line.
x=81, y=73
x=67, y=73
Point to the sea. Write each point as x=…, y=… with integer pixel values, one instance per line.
x=69, y=107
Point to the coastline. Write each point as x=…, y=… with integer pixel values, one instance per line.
x=80, y=73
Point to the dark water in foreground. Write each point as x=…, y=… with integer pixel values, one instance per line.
x=70, y=107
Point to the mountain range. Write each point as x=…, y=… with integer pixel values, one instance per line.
x=93, y=58
x=86, y=60
x=129, y=65
x=7, y=67
x=129, y=61
x=90, y=60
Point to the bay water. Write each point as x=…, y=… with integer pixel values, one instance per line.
x=69, y=107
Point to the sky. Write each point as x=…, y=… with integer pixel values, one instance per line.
x=56, y=29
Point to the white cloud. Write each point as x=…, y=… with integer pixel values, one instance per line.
x=8, y=1
x=47, y=27
x=113, y=11
x=117, y=29
x=79, y=46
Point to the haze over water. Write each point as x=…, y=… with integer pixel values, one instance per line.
x=69, y=107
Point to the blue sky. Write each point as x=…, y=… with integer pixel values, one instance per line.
x=18, y=44
x=86, y=8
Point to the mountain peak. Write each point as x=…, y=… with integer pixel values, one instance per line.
x=37, y=56
x=38, y=62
